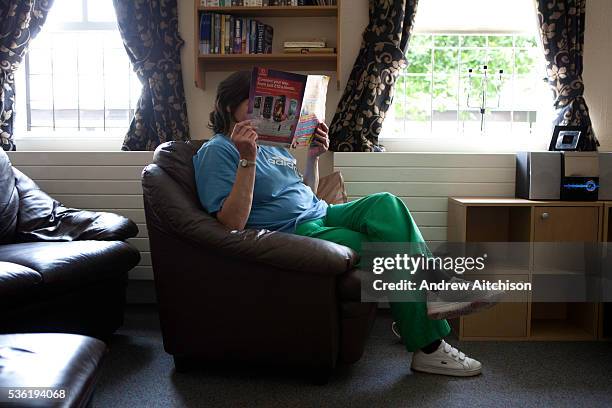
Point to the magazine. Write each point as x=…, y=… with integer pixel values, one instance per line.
x=286, y=108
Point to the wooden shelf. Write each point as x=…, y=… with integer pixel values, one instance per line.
x=324, y=63
x=558, y=330
x=276, y=11
x=286, y=62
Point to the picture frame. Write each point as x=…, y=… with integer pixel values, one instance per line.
x=566, y=138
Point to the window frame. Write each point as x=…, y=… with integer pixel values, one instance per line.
x=538, y=140
x=102, y=138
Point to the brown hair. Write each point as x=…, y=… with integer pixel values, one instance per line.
x=231, y=92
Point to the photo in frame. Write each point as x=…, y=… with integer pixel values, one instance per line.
x=566, y=138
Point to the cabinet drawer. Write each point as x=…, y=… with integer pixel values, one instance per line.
x=560, y=224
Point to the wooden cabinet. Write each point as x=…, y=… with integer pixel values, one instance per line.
x=532, y=222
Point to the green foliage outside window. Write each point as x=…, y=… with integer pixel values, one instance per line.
x=436, y=80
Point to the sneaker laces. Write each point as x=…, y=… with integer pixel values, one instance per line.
x=453, y=351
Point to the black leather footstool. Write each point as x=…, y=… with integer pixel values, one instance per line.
x=48, y=366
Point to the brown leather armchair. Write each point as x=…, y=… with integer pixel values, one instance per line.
x=252, y=296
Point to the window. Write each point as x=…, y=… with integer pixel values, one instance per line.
x=440, y=93
x=76, y=79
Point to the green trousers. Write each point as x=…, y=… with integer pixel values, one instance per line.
x=380, y=217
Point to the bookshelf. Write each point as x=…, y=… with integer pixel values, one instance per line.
x=324, y=63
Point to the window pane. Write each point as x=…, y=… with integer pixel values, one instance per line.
x=528, y=41
x=472, y=91
x=500, y=41
x=39, y=61
x=65, y=11
x=64, y=56
x=445, y=93
x=419, y=60
x=473, y=59
x=90, y=58
x=525, y=93
x=399, y=99
x=474, y=41
x=418, y=105
x=41, y=108
x=420, y=40
x=525, y=60
x=101, y=11
x=500, y=60
x=469, y=122
x=117, y=118
x=444, y=119
x=446, y=61
x=91, y=118
x=66, y=118
x=446, y=41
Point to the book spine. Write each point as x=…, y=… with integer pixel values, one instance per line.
x=212, y=34
x=268, y=35
x=237, y=35
x=202, y=36
x=247, y=35
x=259, y=45
x=218, y=34
x=243, y=35
x=205, y=33
x=252, y=37
x=232, y=33
x=226, y=37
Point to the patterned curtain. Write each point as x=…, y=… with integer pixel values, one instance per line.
x=20, y=22
x=369, y=90
x=149, y=29
x=562, y=32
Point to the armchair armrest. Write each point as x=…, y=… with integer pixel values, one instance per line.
x=42, y=218
x=182, y=216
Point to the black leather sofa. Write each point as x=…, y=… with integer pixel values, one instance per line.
x=61, y=269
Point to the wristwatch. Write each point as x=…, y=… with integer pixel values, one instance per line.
x=246, y=163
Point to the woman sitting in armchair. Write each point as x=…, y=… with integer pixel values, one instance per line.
x=245, y=185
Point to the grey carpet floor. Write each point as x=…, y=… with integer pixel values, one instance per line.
x=138, y=373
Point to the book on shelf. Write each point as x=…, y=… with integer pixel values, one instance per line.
x=316, y=50
x=286, y=108
x=264, y=3
x=305, y=44
x=226, y=34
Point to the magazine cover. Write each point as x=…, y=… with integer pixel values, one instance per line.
x=286, y=107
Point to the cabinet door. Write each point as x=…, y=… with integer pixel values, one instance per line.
x=562, y=224
x=505, y=320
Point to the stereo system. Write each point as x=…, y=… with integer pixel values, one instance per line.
x=564, y=175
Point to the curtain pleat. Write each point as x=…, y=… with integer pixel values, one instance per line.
x=149, y=29
x=562, y=33
x=20, y=22
x=369, y=91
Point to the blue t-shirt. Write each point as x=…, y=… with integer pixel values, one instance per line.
x=280, y=199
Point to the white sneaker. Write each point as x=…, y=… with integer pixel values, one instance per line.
x=446, y=360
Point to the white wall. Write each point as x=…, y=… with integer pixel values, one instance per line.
x=424, y=181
